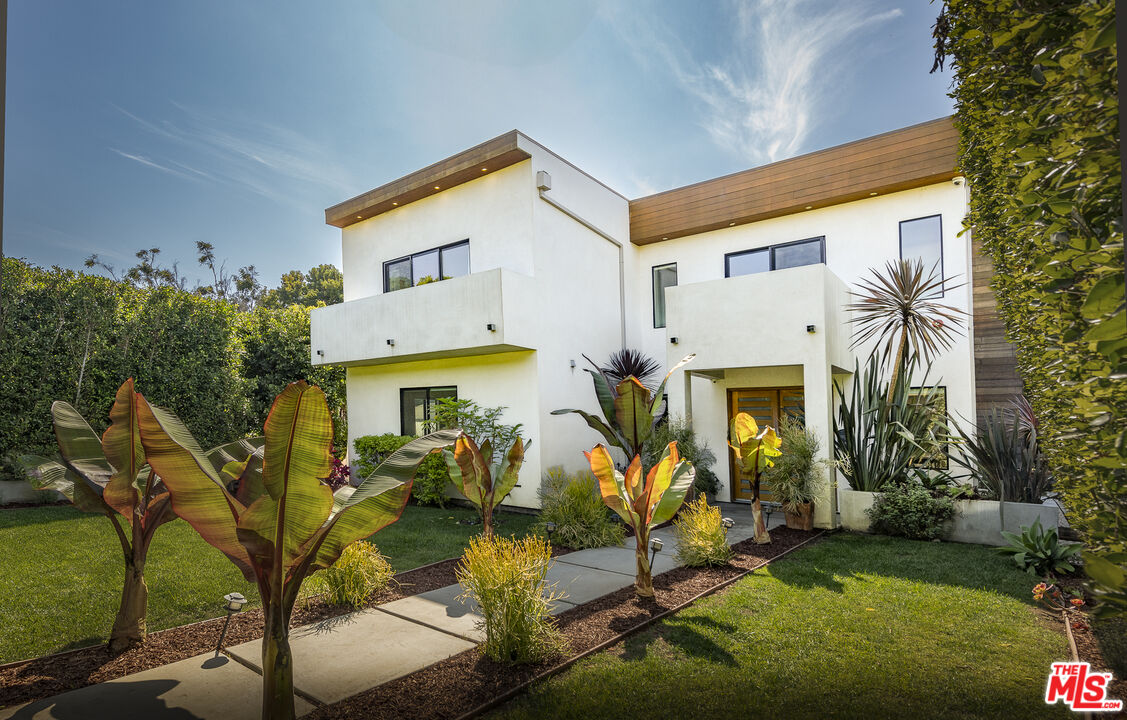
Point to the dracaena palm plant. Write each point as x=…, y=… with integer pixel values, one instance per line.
x=109, y=475
x=899, y=310
x=628, y=420
x=755, y=450
x=483, y=482
x=282, y=522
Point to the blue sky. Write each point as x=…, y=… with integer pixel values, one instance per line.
x=156, y=124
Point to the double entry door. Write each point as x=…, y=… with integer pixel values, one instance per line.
x=768, y=406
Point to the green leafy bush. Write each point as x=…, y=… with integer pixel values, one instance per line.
x=910, y=511
x=507, y=580
x=692, y=448
x=480, y=423
x=360, y=572
x=371, y=450
x=431, y=480
x=574, y=504
x=702, y=538
x=1040, y=552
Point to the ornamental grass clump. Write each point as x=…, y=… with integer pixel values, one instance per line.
x=574, y=504
x=360, y=572
x=702, y=538
x=507, y=580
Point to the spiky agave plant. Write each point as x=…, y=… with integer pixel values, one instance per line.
x=109, y=475
x=628, y=362
x=288, y=525
x=899, y=310
x=755, y=450
x=484, y=482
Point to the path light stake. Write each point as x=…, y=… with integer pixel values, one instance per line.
x=232, y=603
x=551, y=528
x=655, y=546
x=728, y=524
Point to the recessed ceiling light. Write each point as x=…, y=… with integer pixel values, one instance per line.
x=731, y=224
x=871, y=194
x=359, y=217
x=437, y=188
x=395, y=203
x=484, y=169
x=809, y=207
x=665, y=238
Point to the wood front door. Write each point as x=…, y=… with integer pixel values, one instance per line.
x=768, y=406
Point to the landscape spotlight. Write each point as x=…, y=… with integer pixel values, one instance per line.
x=728, y=523
x=551, y=528
x=655, y=546
x=232, y=603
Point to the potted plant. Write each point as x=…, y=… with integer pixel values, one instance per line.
x=796, y=477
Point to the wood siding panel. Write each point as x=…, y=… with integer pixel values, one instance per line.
x=900, y=160
x=996, y=381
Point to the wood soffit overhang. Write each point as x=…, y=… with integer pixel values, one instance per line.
x=486, y=158
x=903, y=159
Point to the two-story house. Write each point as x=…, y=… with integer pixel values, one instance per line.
x=489, y=274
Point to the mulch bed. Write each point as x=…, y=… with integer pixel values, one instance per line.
x=1088, y=648
x=452, y=687
x=43, y=677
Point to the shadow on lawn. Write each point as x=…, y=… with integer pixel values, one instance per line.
x=679, y=632
x=851, y=557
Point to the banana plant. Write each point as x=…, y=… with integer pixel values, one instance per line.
x=288, y=525
x=483, y=482
x=109, y=475
x=754, y=449
x=631, y=411
x=643, y=505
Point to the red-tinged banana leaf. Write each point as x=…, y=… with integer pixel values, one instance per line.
x=604, y=389
x=46, y=474
x=374, y=504
x=506, y=473
x=239, y=464
x=657, y=481
x=296, y=457
x=612, y=484
x=80, y=446
x=234, y=451
x=683, y=475
x=198, y=494
x=121, y=444
x=613, y=437
x=469, y=469
x=632, y=415
x=660, y=392
x=633, y=480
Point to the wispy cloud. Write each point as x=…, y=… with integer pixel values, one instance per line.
x=760, y=97
x=245, y=153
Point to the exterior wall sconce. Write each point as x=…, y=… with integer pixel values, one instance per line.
x=571, y=363
x=810, y=329
x=673, y=340
x=491, y=327
x=321, y=353
x=390, y=342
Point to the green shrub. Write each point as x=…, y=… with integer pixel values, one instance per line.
x=478, y=422
x=1038, y=551
x=360, y=572
x=431, y=480
x=796, y=477
x=574, y=504
x=692, y=448
x=702, y=538
x=910, y=511
x=506, y=578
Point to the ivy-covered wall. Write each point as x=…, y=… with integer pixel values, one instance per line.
x=1038, y=114
x=77, y=337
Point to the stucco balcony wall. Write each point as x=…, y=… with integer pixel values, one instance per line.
x=450, y=318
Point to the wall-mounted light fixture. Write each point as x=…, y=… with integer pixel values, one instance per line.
x=571, y=363
x=321, y=353
x=390, y=342
x=673, y=340
x=491, y=327
x=543, y=181
x=810, y=329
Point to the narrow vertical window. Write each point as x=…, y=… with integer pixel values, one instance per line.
x=664, y=276
x=922, y=239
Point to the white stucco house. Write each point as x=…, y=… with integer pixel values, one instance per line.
x=541, y=263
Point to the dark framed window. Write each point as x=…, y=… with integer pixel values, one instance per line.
x=922, y=239
x=441, y=263
x=935, y=398
x=417, y=405
x=664, y=276
x=811, y=251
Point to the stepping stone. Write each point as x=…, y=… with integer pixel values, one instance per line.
x=442, y=610
x=345, y=655
x=583, y=584
x=199, y=688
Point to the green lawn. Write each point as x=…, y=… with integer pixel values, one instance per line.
x=853, y=627
x=60, y=578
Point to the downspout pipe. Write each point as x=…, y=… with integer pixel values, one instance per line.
x=606, y=236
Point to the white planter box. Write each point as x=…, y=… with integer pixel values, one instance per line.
x=853, y=506
x=977, y=521
x=19, y=491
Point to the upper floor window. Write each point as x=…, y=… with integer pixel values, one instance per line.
x=417, y=407
x=922, y=239
x=664, y=276
x=775, y=257
x=429, y=266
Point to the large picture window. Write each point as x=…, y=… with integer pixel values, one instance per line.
x=922, y=239
x=664, y=276
x=775, y=257
x=417, y=406
x=442, y=263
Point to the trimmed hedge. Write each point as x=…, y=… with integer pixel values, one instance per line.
x=430, y=481
x=1038, y=114
x=76, y=337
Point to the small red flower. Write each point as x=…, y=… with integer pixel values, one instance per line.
x=1077, y=602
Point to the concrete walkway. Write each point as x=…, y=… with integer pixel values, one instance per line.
x=340, y=657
